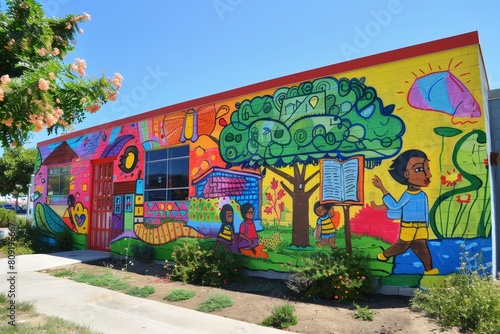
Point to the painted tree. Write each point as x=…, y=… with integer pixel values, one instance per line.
x=297, y=126
x=38, y=89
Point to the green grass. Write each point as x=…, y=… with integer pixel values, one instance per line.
x=179, y=294
x=140, y=292
x=107, y=280
x=216, y=301
x=52, y=325
x=66, y=273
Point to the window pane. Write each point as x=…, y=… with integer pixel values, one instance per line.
x=156, y=195
x=181, y=151
x=156, y=175
x=178, y=195
x=156, y=155
x=65, y=180
x=178, y=173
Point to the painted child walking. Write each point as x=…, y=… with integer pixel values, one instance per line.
x=410, y=168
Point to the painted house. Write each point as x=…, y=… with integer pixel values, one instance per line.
x=397, y=144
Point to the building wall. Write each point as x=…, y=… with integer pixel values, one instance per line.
x=327, y=136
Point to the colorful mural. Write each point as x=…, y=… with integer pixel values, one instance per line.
x=368, y=157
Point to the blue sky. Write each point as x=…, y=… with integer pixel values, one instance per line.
x=175, y=51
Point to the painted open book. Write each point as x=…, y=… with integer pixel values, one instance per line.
x=342, y=181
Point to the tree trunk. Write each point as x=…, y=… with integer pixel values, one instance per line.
x=300, y=226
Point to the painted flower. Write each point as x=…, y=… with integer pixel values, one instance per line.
x=463, y=201
x=452, y=179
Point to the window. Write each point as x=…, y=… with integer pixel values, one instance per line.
x=59, y=178
x=167, y=174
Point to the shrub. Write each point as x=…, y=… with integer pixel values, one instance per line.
x=7, y=217
x=143, y=253
x=469, y=299
x=64, y=240
x=206, y=266
x=336, y=275
x=282, y=316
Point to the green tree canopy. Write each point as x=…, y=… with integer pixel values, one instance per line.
x=38, y=90
x=16, y=166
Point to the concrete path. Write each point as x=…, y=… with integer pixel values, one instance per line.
x=104, y=310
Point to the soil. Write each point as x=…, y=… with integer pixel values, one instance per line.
x=255, y=298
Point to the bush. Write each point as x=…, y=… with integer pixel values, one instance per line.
x=7, y=217
x=64, y=240
x=469, y=299
x=336, y=275
x=282, y=316
x=143, y=253
x=179, y=294
x=206, y=266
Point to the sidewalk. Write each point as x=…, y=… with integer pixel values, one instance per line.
x=104, y=310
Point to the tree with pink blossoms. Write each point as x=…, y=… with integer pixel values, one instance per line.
x=39, y=88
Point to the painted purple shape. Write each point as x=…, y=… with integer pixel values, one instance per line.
x=443, y=92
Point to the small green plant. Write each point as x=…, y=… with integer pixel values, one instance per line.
x=338, y=275
x=142, y=292
x=143, y=253
x=216, y=301
x=194, y=264
x=468, y=299
x=283, y=316
x=179, y=294
x=67, y=273
x=363, y=313
x=109, y=280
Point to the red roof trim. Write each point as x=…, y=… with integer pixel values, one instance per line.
x=377, y=59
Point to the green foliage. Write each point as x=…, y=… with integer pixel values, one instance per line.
x=142, y=292
x=180, y=294
x=7, y=217
x=194, y=264
x=16, y=166
x=216, y=301
x=335, y=275
x=107, y=280
x=143, y=253
x=468, y=299
x=39, y=89
x=283, y=316
x=363, y=313
x=64, y=240
x=67, y=273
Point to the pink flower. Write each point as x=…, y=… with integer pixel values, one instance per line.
x=52, y=76
x=43, y=84
x=87, y=16
x=42, y=52
x=1, y=94
x=8, y=122
x=68, y=26
x=336, y=297
x=5, y=78
x=55, y=52
x=116, y=80
x=80, y=31
x=94, y=107
x=112, y=96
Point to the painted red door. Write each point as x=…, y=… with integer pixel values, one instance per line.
x=102, y=205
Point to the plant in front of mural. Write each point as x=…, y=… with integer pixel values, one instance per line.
x=38, y=89
x=275, y=206
x=337, y=276
x=197, y=264
x=297, y=126
x=469, y=299
x=463, y=209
